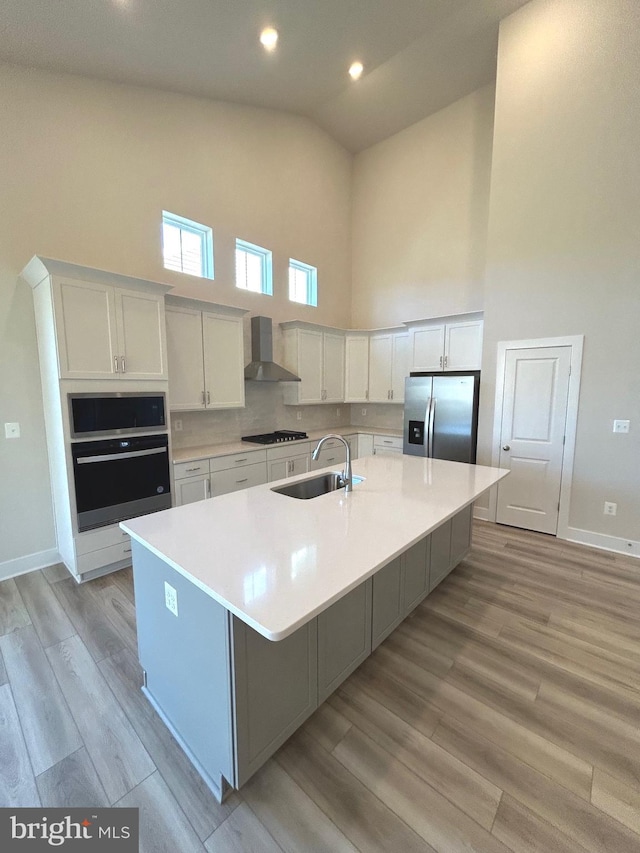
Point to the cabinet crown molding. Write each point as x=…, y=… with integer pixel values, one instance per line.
x=40, y=268
x=175, y=301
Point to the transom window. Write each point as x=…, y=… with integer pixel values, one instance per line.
x=303, y=283
x=253, y=268
x=187, y=246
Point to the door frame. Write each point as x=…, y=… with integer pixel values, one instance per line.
x=576, y=343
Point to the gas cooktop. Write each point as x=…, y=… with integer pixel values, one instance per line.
x=276, y=437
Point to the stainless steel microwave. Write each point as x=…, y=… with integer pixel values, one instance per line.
x=116, y=413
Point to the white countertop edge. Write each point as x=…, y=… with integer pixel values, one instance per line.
x=229, y=448
x=283, y=633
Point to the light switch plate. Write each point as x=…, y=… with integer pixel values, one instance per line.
x=621, y=426
x=12, y=430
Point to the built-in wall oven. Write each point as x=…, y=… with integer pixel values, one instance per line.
x=123, y=473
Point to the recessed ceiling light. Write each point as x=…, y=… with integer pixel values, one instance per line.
x=269, y=38
x=356, y=70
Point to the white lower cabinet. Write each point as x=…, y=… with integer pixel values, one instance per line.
x=386, y=444
x=234, y=479
x=217, y=475
x=365, y=445
x=287, y=461
x=191, y=489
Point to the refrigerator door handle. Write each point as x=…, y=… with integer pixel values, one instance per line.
x=431, y=425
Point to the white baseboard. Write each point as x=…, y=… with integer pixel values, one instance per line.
x=606, y=543
x=481, y=513
x=28, y=563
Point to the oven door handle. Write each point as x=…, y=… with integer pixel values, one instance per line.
x=112, y=457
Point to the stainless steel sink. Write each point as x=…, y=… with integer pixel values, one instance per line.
x=313, y=487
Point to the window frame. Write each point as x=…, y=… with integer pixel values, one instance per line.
x=311, y=274
x=204, y=232
x=266, y=266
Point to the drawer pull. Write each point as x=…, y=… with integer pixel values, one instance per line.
x=385, y=441
x=126, y=550
x=197, y=468
x=237, y=461
x=241, y=481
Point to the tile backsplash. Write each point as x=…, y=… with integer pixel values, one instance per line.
x=265, y=411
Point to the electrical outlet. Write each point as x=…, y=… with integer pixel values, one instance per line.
x=171, y=598
x=12, y=430
x=177, y=425
x=610, y=508
x=299, y=416
x=621, y=426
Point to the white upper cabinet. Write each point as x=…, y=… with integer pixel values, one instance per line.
x=108, y=332
x=315, y=355
x=206, y=358
x=100, y=325
x=356, y=373
x=388, y=366
x=455, y=345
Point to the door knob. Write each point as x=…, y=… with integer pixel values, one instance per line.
x=506, y=447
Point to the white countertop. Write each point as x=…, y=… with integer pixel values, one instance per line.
x=276, y=562
x=203, y=451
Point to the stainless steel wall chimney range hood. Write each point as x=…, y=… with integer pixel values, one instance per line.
x=262, y=367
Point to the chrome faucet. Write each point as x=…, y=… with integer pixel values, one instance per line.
x=347, y=474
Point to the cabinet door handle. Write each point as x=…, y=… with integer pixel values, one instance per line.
x=441, y=364
x=115, y=362
x=446, y=359
x=208, y=398
x=207, y=489
x=204, y=399
x=392, y=393
x=124, y=364
x=366, y=394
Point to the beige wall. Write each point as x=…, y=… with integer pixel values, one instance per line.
x=564, y=232
x=85, y=171
x=420, y=206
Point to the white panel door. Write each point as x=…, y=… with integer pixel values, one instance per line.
x=86, y=330
x=534, y=414
x=310, y=366
x=380, y=355
x=428, y=348
x=141, y=335
x=333, y=368
x=463, y=346
x=399, y=366
x=356, y=386
x=186, y=359
x=223, y=361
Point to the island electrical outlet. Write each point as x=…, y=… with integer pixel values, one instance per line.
x=171, y=598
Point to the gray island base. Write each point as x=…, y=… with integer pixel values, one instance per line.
x=229, y=695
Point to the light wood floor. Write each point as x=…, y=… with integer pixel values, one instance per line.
x=503, y=715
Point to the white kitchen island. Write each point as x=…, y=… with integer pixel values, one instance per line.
x=278, y=600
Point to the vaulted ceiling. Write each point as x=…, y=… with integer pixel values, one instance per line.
x=419, y=55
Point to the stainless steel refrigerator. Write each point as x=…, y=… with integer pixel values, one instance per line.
x=441, y=415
